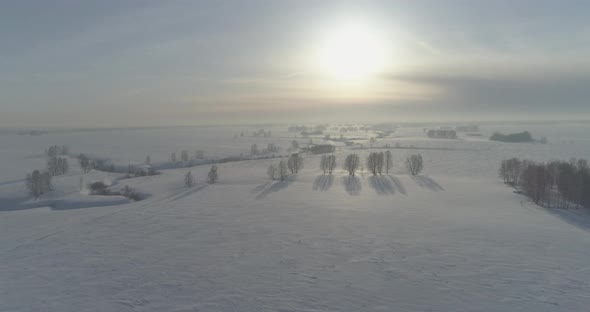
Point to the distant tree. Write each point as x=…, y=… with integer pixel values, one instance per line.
x=295, y=163
x=65, y=150
x=282, y=170
x=84, y=162
x=184, y=156
x=38, y=183
x=254, y=149
x=328, y=163
x=51, y=165
x=294, y=145
x=199, y=154
x=375, y=162
x=212, y=176
x=352, y=163
x=388, y=161
x=372, y=141
x=173, y=158
x=272, y=171
x=510, y=170
x=414, y=164
x=188, y=180
x=148, y=160
x=57, y=165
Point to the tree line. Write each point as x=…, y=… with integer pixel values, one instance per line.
x=557, y=183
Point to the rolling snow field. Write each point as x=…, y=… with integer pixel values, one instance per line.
x=454, y=238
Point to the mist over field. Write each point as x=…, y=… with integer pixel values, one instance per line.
x=284, y=156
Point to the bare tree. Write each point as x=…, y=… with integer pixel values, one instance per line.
x=414, y=164
x=388, y=161
x=85, y=163
x=38, y=183
x=199, y=154
x=272, y=171
x=184, y=156
x=295, y=163
x=294, y=145
x=188, y=180
x=57, y=165
x=148, y=160
x=375, y=162
x=254, y=149
x=352, y=163
x=212, y=176
x=331, y=163
x=173, y=158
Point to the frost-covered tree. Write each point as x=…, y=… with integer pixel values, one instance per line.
x=328, y=163
x=85, y=163
x=375, y=163
x=38, y=183
x=199, y=154
x=57, y=165
x=212, y=176
x=352, y=163
x=282, y=170
x=184, y=156
x=295, y=163
x=188, y=180
x=414, y=164
x=272, y=171
x=388, y=161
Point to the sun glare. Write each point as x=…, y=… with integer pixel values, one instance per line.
x=351, y=51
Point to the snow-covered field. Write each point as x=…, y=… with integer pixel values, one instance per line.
x=452, y=239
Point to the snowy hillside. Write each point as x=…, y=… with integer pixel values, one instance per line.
x=451, y=239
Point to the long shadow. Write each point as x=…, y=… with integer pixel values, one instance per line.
x=323, y=182
x=398, y=184
x=276, y=187
x=260, y=188
x=15, y=204
x=352, y=185
x=189, y=192
x=381, y=185
x=427, y=182
x=579, y=218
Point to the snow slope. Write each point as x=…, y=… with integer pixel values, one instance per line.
x=454, y=239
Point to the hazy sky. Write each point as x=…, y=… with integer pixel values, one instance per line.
x=118, y=63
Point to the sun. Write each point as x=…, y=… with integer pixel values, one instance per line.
x=352, y=50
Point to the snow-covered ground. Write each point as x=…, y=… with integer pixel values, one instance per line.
x=453, y=239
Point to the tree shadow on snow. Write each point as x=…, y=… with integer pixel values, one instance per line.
x=352, y=185
x=427, y=182
x=15, y=204
x=381, y=185
x=323, y=182
x=578, y=217
x=397, y=183
x=275, y=187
